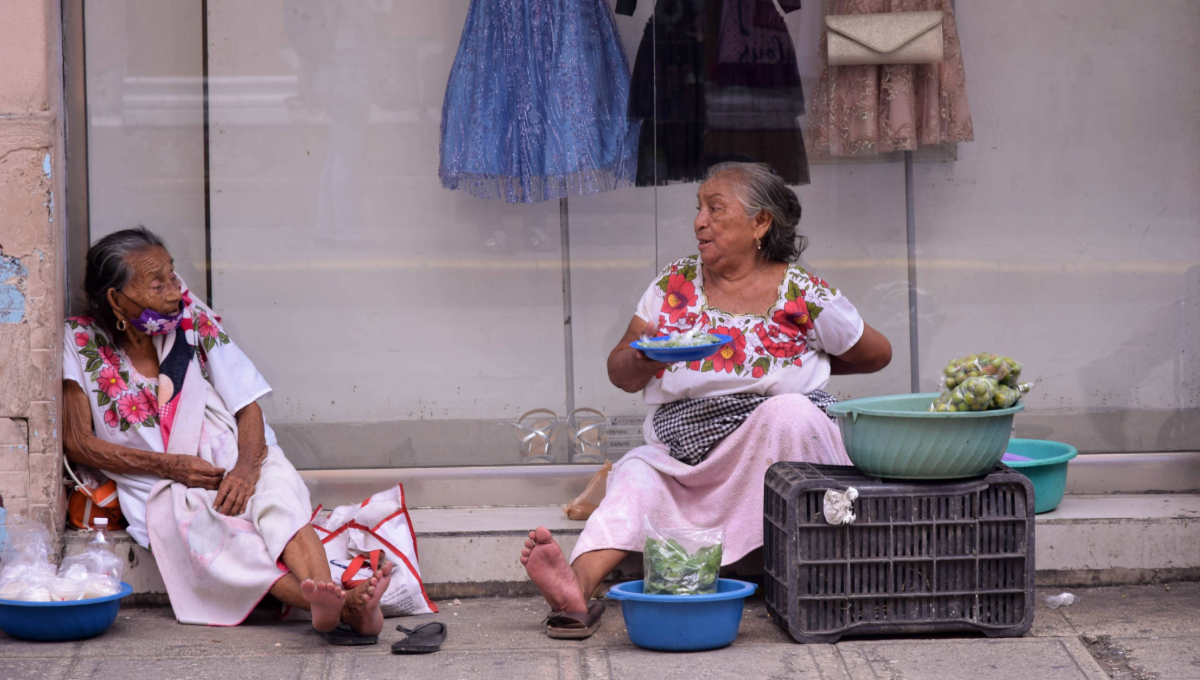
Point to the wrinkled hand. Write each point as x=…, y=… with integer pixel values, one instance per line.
x=235, y=491
x=193, y=472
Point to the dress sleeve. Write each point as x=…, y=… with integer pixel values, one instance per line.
x=652, y=300
x=837, y=325
x=647, y=309
x=230, y=371
x=72, y=370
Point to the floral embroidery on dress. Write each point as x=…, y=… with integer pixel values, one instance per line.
x=761, y=345
x=125, y=404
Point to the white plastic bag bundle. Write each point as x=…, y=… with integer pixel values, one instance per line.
x=96, y=561
x=29, y=576
x=379, y=527
x=27, y=573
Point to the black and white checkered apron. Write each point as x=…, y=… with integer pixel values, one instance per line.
x=692, y=427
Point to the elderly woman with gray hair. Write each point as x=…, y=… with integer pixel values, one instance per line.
x=716, y=425
x=157, y=397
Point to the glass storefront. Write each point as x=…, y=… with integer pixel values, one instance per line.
x=289, y=152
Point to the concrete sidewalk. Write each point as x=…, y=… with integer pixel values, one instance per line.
x=1140, y=632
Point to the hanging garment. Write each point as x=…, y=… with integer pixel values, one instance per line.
x=866, y=110
x=535, y=107
x=716, y=81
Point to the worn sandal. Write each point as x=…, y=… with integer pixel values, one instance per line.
x=345, y=636
x=574, y=625
x=424, y=639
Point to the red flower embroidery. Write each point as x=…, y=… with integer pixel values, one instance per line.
x=110, y=381
x=82, y=339
x=133, y=407
x=84, y=321
x=758, y=372
x=732, y=354
x=151, y=400
x=207, y=328
x=111, y=419
x=681, y=294
x=187, y=297
x=109, y=355
x=783, y=350
x=794, y=318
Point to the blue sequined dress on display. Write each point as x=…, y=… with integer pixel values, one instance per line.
x=537, y=101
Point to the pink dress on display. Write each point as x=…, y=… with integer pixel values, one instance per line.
x=866, y=110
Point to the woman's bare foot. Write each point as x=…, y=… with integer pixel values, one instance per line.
x=548, y=569
x=327, y=600
x=362, y=612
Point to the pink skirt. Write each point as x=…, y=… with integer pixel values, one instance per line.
x=725, y=490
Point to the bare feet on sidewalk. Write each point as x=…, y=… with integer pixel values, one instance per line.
x=362, y=611
x=548, y=568
x=327, y=600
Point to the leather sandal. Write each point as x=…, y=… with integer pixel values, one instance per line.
x=574, y=625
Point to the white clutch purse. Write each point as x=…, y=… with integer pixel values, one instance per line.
x=887, y=38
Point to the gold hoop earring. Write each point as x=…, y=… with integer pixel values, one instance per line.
x=122, y=325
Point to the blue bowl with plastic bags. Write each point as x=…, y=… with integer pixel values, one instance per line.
x=683, y=623
x=61, y=621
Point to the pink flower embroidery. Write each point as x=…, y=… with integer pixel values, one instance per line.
x=151, y=400
x=133, y=407
x=109, y=355
x=207, y=328
x=110, y=381
x=84, y=321
x=111, y=419
x=82, y=339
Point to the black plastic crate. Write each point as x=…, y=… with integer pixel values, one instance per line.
x=920, y=557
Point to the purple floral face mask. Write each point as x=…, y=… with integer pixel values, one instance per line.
x=151, y=322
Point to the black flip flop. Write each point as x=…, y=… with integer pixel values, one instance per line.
x=424, y=639
x=574, y=625
x=345, y=636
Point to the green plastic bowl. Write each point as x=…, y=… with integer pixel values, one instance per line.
x=1047, y=470
x=898, y=437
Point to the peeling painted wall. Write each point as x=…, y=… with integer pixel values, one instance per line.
x=31, y=277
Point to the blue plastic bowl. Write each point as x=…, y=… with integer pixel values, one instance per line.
x=1047, y=469
x=671, y=355
x=683, y=623
x=61, y=621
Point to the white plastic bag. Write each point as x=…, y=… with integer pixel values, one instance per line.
x=28, y=542
x=379, y=525
x=95, y=561
x=839, y=505
x=681, y=561
x=1061, y=600
x=27, y=573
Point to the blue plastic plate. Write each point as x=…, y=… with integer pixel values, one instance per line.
x=671, y=355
